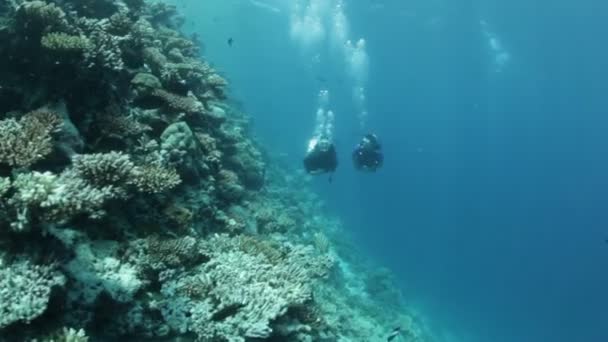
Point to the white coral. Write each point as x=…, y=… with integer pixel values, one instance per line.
x=96, y=268
x=25, y=290
x=241, y=290
x=58, y=198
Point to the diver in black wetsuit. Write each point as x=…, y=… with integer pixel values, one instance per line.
x=321, y=157
x=368, y=156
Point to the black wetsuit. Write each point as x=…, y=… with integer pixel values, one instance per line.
x=321, y=159
x=368, y=155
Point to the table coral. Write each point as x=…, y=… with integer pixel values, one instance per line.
x=241, y=290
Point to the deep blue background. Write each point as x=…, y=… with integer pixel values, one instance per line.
x=492, y=206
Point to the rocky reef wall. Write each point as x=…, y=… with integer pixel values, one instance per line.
x=135, y=205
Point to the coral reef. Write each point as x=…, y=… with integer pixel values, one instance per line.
x=240, y=290
x=135, y=205
x=70, y=335
x=63, y=42
x=25, y=290
x=24, y=142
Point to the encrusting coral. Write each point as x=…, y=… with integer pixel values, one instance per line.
x=135, y=205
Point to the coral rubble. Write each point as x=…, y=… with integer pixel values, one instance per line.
x=135, y=205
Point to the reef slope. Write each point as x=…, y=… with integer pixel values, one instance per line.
x=135, y=205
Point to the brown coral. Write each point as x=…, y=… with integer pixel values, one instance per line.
x=115, y=169
x=172, y=252
x=24, y=142
x=216, y=81
x=39, y=16
x=255, y=246
x=153, y=179
x=63, y=42
x=178, y=103
x=122, y=126
x=180, y=215
x=229, y=186
x=186, y=47
x=120, y=24
x=103, y=169
x=213, y=157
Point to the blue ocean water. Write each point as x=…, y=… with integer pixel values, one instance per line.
x=491, y=206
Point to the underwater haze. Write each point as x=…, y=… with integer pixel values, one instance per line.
x=491, y=206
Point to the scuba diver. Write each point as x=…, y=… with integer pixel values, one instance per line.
x=320, y=157
x=321, y=153
x=368, y=156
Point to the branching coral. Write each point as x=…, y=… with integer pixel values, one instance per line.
x=39, y=15
x=103, y=169
x=84, y=189
x=241, y=290
x=120, y=24
x=5, y=185
x=216, y=81
x=154, y=178
x=28, y=140
x=56, y=198
x=184, y=46
x=97, y=268
x=143, y=35
x=25, y=290
x=104, y=49
x=70, y=335
x=176, y=68
x=169, y=253
x=183, y=70
x=116, y=171
x=256, y=246
x=178, y=103
x=121, y=74
x=63, y=42
x=121, y=126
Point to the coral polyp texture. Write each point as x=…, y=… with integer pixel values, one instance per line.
x=27, y=140
x=134, y=204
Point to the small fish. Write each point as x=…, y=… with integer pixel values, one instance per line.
x=396, y=332
x=230, y=41
x=321, y=79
